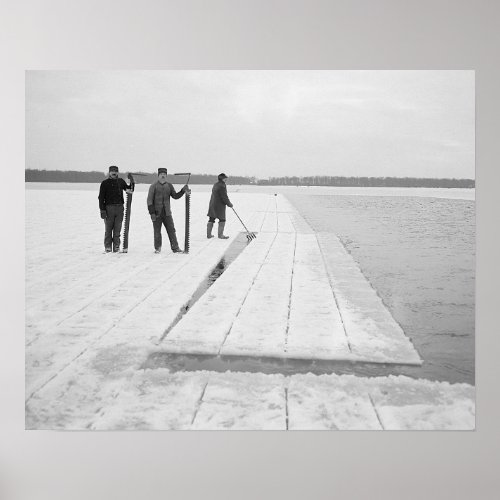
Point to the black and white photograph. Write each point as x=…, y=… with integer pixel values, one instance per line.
x=250, y=250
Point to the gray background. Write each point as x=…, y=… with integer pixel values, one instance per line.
x=252, y=34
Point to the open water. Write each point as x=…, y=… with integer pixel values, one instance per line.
x=419, y=254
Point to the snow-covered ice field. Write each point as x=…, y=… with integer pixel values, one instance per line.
x=92, y=321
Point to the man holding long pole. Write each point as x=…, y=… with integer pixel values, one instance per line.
x=217, y=207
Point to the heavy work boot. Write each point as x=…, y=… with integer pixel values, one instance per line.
x=210, y=225
x=221, y=231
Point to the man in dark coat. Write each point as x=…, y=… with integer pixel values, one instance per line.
x=217, y=207
x=159, y=195
x=111, y=207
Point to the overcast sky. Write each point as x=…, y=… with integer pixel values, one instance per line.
x=253, y=123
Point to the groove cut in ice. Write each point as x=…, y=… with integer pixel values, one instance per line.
x=236, y=247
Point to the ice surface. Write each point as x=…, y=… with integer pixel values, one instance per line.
x=315, y=328
x=293, y=294
x=160, y=400
x=92, y=319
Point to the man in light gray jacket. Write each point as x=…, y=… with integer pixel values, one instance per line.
x=159, y=195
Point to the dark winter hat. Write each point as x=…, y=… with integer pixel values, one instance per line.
x=113, y=168
x=222, y=176
x=162, y=170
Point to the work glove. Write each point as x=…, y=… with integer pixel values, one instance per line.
x=103, y=214
x=153, y=217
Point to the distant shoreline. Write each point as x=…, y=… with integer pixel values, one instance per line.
x=32, y=175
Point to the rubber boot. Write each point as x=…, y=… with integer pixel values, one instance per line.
x=210, y=225
x=221, y=231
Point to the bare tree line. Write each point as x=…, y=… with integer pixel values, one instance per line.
x=321, y=180
x=33, y=175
